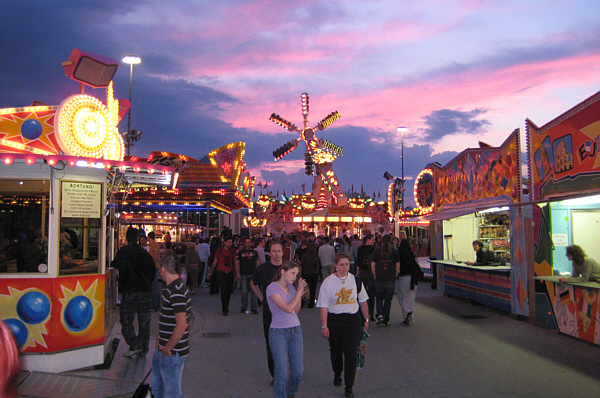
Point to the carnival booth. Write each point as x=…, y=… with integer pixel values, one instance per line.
x=564, y=169
x=62, y=173
x=208, y=190
x=472, y=195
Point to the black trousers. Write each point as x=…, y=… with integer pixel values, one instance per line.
x=267, y=318
x=225, y=281
x=344, y=339
x=311, y=280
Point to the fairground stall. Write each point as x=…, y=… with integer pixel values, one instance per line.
x=208, y=190
x=564, y=169
x=472, y=195
x=62, y=171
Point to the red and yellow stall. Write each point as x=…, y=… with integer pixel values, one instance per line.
x=63, y=171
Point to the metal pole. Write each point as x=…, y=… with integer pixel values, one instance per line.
x=129, y=113
x=403, y=169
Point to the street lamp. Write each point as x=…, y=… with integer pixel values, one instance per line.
x=131, y=60
x=401, y=130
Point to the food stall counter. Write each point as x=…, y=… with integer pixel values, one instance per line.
x=487, y=285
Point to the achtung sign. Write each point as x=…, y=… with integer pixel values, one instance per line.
x=81, y=199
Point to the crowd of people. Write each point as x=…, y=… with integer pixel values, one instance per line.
x=352, y=281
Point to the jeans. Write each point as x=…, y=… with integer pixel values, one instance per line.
x=167, y=375
x=369, y=283
x=246, y=290
x=287, y=347
x=131, y=304
x=384, y=296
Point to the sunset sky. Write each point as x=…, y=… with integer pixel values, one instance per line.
x=212, y=72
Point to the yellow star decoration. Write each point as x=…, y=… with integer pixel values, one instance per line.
x=89, y=293
x=11, y=126
x=592, y=131
x=343, y=296
x=9, y=310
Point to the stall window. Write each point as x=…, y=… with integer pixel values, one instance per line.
x=80, y=226
x=24, y=225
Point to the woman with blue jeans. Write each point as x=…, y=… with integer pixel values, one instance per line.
x=284, y=296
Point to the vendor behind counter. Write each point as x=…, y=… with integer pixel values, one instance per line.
x=584, y=269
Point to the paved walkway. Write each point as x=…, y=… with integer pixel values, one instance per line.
x=453, y=349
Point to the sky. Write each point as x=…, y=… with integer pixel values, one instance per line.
x=453, y=72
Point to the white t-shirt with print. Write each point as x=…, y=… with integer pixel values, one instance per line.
x=340, y=298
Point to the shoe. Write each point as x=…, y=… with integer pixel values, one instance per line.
x=225, y=313
x=254, y=312
x=386, y=323
x=337, y=380
x=349, y=393
x=243, y=310
x=131, y=353
x=247, y=312
x=379, y=320
x=272, y=380
x=372, y=319
x=408, y=319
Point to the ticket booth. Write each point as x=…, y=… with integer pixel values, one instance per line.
x=63, y=175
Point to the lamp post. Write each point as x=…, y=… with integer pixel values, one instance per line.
x=131, y=60
x=401, y=130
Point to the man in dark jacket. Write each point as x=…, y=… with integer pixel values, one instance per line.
x=484, y=257
x=136, y=272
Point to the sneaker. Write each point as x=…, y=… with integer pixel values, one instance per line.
x=248, y=312
x=379, y=320
x=255, y=312
x=408, y=319
x=337, y=380
x=387, y=322
x=131, y=353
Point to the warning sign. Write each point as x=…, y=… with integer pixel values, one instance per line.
x=81, y=199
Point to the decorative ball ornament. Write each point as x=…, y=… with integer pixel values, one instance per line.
x=78, y=313
x=33, y=307
x=82, y=122
x=19, y=330
x=31, y=129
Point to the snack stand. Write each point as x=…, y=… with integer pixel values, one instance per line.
x=564, y=169
x=472, y=193
x=62, y=173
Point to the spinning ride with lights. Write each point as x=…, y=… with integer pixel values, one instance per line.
x=318, y=157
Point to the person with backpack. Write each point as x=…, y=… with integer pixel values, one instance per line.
x=344, y=313
x=385, y=265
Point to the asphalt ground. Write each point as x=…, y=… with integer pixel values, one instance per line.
x=453, y=348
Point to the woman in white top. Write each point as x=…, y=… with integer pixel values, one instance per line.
x=342, y=298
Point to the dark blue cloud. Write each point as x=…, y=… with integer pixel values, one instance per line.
x=445, y=122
